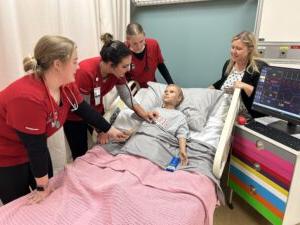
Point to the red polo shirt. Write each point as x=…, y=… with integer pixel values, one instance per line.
x=25, y=106
x=88, y=77
x=144, y=69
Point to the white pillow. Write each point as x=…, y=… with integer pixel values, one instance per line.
x=124, y=118
x=147, y=98
x=212, y=130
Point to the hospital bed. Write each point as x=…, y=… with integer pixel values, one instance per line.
x=99, y=188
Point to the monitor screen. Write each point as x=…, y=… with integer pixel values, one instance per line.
x=278, y=93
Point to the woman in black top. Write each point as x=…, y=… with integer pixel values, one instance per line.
x=146, y=57
x=242, y=70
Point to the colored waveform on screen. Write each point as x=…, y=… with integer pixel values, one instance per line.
x=280, y=90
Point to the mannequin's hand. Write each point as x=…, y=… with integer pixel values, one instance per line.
x=183, y=158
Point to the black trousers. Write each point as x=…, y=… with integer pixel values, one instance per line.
x=16, y=181
x=76, y=134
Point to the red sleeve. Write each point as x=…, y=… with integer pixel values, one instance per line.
x=159, y=54
x=84, y=81
x=27, y=116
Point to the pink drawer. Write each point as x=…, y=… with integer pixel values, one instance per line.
x=276, y=164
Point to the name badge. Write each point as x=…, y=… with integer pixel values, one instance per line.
x=97, y=95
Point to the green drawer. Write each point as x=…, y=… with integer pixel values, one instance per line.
x=254, y=203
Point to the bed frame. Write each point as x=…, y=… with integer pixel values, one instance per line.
x=225, y=139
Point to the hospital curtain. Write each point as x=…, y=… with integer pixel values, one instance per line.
x=22, y=23
x=115, y=17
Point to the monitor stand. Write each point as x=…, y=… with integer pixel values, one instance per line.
x=286, y=127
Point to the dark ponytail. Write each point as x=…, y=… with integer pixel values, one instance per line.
x=107, y=39
x=113, y=51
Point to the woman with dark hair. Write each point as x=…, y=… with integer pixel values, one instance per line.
x=95, y=78
x=146, y=56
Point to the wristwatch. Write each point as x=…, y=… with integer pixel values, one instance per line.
x=41, y=188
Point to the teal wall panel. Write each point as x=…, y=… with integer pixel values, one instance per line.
x=195, y=37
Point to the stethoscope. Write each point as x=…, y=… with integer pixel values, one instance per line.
x=73, y=104
x=54, y=119
x=130, y=94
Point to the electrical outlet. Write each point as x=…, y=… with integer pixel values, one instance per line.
x=282, y=54
x=261, y=50
x=283, y=51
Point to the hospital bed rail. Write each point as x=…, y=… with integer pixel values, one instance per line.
x=225, y=138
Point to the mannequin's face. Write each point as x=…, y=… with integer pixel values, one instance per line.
x=171, y=96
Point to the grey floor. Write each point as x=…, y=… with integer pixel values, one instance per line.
x=242, y=214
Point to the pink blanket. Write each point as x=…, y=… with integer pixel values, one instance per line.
x=99, y=188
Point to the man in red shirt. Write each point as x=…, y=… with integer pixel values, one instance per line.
x=146, y=57
x=32, y=109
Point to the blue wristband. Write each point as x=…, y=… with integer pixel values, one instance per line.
x=173, y=164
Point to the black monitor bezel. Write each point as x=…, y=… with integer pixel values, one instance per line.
x=270, y=112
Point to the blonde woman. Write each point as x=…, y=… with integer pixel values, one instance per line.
x=34, y=107
x=242, y=70
x=146, y=56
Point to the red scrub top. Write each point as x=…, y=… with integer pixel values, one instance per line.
x=143, y=70
x=88, y=77
x=25, y=105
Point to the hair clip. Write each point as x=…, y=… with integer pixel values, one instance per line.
x=114, y=45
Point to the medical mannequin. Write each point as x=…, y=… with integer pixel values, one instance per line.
x=146, y=57
x=169, y=120
x=34, y=107
x=242, y=70
x=173, y=119
x=95, y=78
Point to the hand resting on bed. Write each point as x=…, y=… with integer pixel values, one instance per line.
x=104, y=138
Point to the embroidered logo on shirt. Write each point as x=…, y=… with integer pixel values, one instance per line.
x=162, y=121
x=31, y=128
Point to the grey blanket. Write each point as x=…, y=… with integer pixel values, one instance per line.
x=158, y=146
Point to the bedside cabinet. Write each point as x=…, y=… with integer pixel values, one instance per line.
x=266, y=174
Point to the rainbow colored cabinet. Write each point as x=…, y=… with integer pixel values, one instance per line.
x=266, y=174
